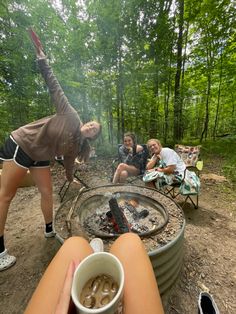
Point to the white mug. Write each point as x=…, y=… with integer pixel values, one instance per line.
x=97, y=264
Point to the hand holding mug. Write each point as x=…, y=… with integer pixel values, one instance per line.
x=65, y=304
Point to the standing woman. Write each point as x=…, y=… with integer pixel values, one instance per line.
x=131, y=159
x=32, y=146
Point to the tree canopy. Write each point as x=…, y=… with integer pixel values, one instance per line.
x=160, y=68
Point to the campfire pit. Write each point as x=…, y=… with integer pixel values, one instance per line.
x=154, y=216
x=143, y=215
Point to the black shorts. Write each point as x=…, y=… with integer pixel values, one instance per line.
x=12, y=151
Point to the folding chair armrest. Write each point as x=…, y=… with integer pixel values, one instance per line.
x=199, y=165
x=184, y=175
x=197, y=169
x=114, y=161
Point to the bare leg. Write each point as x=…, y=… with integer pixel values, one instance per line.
x=123, y=171
x=141, y=293
x=11, y=176
x=116, y=177
x=47, y=293
x=123, y=176
x=43, y=180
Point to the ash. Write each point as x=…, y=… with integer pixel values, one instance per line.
x=91, y=206
x=140, y=219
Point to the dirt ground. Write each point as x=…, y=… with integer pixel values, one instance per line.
x=210, y=246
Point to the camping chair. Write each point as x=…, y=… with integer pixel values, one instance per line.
x=118, y=160
x=191, y=157
x=65, y=186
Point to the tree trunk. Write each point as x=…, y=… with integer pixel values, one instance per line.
x=154, y=108
x=166, y=106
x=178, y=100
x=205, y=128
x=218, y=99
x=182, y=76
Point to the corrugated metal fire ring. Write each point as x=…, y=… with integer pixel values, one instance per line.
x=166, y=253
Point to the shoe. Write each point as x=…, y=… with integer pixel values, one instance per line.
x=6, y=260
x=97, y=245
x=50, y=234
x=206, y=304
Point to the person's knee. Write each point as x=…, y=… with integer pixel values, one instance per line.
x=123, y=175
x=130, y=241
x=46, y=192
x=74, y=248
x=129, y=236
x=7, y=197
x=127, y=246
x=121, y=167
x=75, y=242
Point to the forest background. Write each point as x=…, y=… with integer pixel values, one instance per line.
x=160, y=68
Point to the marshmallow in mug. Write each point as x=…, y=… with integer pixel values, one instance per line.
x=94, y=266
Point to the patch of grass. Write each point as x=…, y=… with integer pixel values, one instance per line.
x=226, y=149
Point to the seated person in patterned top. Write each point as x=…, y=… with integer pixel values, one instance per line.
x=166, y=163
x=131, y=157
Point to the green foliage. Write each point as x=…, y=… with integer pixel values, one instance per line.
x=116, y=61
x=106, y=150
x=225, y=148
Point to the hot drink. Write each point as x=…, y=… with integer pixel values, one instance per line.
x=98, y=284
x=98, y=291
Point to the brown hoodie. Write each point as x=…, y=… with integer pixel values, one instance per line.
x=55, y=135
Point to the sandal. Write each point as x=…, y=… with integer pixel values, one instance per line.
x=6, y=260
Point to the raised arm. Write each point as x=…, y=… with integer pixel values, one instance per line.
x=58, y=97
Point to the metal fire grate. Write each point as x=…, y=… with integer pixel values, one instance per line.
x=162, y=230
x=86, y=213
x=138, y=213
